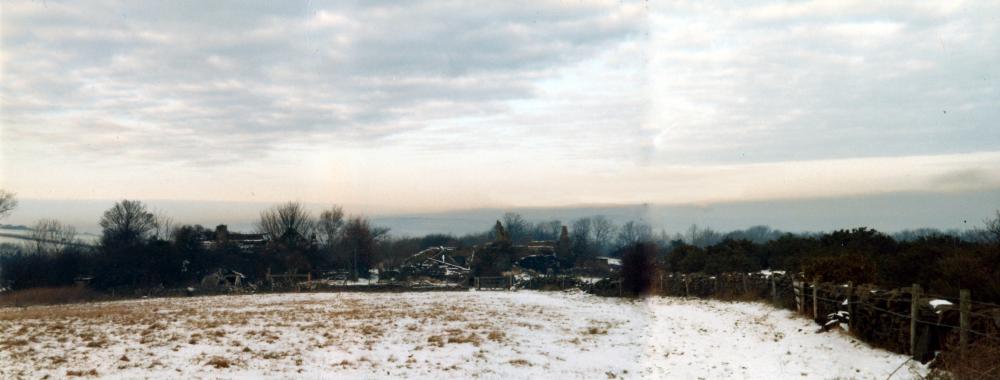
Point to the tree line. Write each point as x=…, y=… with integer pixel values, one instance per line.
x=142, y=248
x=139, y=248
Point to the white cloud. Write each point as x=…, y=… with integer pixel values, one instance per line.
x=329, y=69
x=821, y=80
x=637, y=97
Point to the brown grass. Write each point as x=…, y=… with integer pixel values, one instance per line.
x=436, y=340
x=371, y=330
x=14, y=342
x=981, y=361
x=81, y=373
x=219, y=362
x=466, y=338
x=56, y=360
x=166, y=324
x=273, y=355
x=519, y=362
x=48, y=296
x=496, y=335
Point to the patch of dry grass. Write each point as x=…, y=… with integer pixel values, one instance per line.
x=82, y=373
x=496, y=336
x=219, y=362
x=436, y=340
x=159, y=331
x=13, y=342
x=469, y=338
x=48, y=296
x=519, y=362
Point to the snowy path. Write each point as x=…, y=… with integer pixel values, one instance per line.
x=489, y=335
x=691, y=339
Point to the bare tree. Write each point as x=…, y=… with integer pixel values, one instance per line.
x=633, y=233
x=50, y=235
x=127, y=222
x=330, y=225
x=581, y=237
x=992, y=231
x=164, y=226
x=287, y=220
x=548, y=230
x=517, y=227
x=703, y=237
x=603, y=231
x=8, y=201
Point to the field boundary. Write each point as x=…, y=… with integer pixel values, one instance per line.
x=902, y=320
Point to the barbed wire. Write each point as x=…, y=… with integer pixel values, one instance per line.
x=908, y=317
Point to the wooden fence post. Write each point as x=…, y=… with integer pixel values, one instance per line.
x=801, y=297
x=477, y=283
x=914, y=313
x=774, y=290
x=619, y=288
x=965, y=307
x=746, y=288
x=687, y=287
x=850, y=305
x=815, y=299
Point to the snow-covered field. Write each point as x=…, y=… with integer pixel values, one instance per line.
x=501, y=335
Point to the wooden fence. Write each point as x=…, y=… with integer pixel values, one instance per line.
x=494, y=283
x=553, y=282
x=905, y=320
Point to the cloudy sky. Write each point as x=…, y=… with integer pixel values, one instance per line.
x=430, y=106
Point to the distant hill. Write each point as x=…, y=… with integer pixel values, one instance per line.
x=886, y=212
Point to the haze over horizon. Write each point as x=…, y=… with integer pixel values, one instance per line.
x=882, y=114
x=885, y=212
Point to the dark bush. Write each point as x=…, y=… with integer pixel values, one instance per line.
x=840, y=269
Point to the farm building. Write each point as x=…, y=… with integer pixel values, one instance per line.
x=490, y=259
x=598, y=265
x=246, y=242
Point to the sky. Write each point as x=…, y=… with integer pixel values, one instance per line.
x=428, y=107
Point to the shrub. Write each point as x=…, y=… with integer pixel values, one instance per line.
x=840, y=269
x=979, y=362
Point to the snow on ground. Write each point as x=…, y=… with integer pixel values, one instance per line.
x=490, y=335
